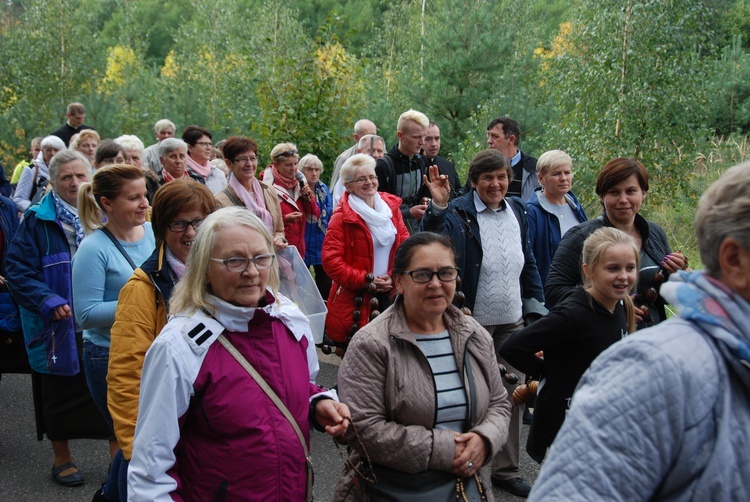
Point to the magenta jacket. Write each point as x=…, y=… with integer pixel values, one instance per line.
x=205, y=429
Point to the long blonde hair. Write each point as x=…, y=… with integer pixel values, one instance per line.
x=190, y=293
x=594, y=248
x=107, y=182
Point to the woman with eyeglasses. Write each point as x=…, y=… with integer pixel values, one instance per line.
x=200, y=148
x=245, y=190
x=295, y=195
x=179, y=209
x=428, y=407
x=363, y=234
x=206, y=429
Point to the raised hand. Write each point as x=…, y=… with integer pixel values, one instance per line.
x=440, y=187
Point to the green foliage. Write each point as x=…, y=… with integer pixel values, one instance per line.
x=314, y=105
x=731, y=90
x=630, y=80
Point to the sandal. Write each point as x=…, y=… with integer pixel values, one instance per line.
x=72, y=479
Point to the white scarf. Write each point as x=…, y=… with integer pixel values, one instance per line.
x=378, y=219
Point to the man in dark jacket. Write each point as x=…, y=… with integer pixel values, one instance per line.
x=76, y=114
x=445, y=166
x=503, y=134
x=400, y=170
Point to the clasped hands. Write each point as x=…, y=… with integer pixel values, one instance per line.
x=471, y=453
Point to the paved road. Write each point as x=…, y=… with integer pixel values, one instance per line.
x=25, y=463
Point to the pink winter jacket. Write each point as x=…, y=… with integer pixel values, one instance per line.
x=205, y=429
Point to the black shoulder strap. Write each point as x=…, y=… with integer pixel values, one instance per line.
x=118, y=246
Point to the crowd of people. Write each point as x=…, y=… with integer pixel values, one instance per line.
x=147, y=284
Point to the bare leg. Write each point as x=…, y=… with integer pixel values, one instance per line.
x=113, y=447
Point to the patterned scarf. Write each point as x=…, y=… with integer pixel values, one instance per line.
x=716, y=310
x=68, y=215
x=321, y=197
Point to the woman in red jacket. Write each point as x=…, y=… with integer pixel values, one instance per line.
x=363, y=234
x=295, y=196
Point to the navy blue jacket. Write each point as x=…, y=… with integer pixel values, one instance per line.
x=39, y=274
x=544, y=230
x=459, y=222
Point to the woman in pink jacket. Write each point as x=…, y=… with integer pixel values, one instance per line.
x=206, y=430
x=363, y=235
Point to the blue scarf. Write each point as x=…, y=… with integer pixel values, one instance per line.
x=68, y=217
x=716, y=310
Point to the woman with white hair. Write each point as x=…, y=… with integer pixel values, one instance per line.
x=34, y=179
x=317, y=226
x=553, y=208
x=207, y=427
x=363, y=235
x=134, y=155
x=39, y=273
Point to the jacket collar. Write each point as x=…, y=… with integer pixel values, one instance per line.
x=454, y=320
x=640, y=223
x=45, y=210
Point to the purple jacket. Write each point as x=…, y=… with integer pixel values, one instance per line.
x=205, y=429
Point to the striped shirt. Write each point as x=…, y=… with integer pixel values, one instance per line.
x=452, y=406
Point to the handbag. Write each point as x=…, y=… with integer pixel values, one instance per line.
x=279, y=404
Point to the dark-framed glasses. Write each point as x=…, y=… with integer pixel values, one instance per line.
x=423, y=275
x=204, y=144
x=182, y=225
x=238, y=264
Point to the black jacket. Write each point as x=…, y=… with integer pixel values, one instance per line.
x=571, y=335
x=565, y=271
x=447, y=168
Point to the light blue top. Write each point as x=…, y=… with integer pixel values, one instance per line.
x=99, y=272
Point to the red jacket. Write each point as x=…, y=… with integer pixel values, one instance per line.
x=348, y=256
x=295, y=231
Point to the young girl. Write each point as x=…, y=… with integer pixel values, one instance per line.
x=576, y=330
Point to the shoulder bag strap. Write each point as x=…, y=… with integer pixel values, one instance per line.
x=118, y=246
x=232, y=198
x=277, y=401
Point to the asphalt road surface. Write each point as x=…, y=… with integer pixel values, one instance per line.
x=25, y=463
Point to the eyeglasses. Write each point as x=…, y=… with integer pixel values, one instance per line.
x=288, y=153
x=365, y=179
x=423, y=275
x=261, y=262
x=204, y=144
x=246, y=160
x=181, y=225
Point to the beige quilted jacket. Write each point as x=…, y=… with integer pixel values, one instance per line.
x=387, y=383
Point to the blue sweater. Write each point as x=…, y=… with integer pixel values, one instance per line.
x=99, y=272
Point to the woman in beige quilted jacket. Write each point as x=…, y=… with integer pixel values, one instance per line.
x=422, y=382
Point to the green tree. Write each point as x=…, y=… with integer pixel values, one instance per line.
x=629, y=79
